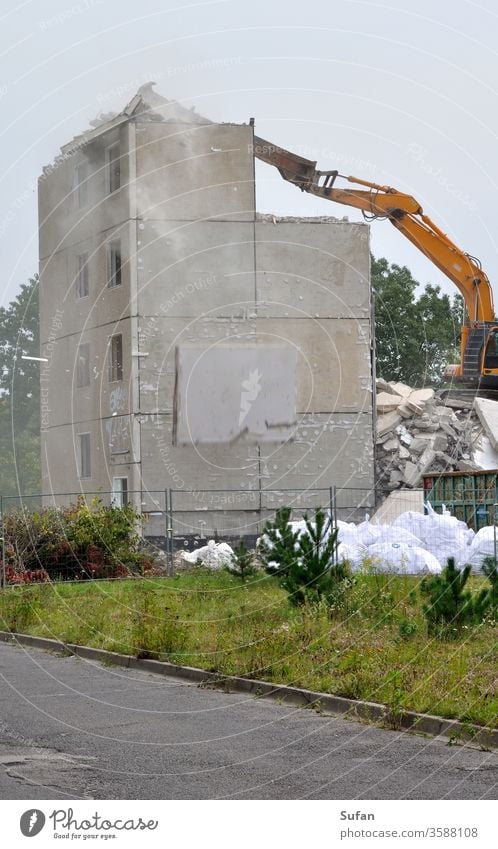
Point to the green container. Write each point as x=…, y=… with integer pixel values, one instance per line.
x=470, y=496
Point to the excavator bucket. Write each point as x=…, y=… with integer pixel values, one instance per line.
x=302, y=172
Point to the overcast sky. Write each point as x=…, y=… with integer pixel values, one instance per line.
x=402, y=92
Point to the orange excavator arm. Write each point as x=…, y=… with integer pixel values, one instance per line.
x=402, y=210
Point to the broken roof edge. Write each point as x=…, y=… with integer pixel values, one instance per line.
x=270, y=218
x=146, y=103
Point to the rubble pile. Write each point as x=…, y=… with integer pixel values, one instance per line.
x=417, y=432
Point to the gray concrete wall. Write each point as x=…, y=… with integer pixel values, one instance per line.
x=200, y=268
x=103, y=409
x=302, y=283
x=189, y=172
x=61, y=222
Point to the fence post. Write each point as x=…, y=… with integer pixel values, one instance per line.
x=333, y=517
x=494, y=530
x=169, y=529
x=3, y=576
x=166, y=528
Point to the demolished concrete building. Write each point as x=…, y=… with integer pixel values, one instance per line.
x=193, y=345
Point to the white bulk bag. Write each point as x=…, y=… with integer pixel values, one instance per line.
x=213, y=555
x=387, y=533
x=354, y=554
x=347, y=533
x=442, y=535
x=368, y=533
x=483, y=545
x=403, y=559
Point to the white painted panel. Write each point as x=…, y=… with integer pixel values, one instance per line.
x=231, y=392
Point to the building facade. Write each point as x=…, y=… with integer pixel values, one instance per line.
x=192, y=345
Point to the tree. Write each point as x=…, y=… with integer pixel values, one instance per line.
x=450, y=605
x=279, y=543
x=242, y=563
x=440, y=319
x=20, y=393
x=316, y=576
x=415, y=337
x=304, y=560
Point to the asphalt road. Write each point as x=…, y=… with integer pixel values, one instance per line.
x=71, y=728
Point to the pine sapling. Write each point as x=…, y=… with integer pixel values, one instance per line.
x=242, y=563
x=316, y=575
x=278, y=546
x=490, y=569
x=449, y=604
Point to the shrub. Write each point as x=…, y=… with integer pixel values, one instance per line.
x=33, y=538
x=450, y=605
x=242, y=564
x=490, y=569
x=407, y=629
x=278, y=546
x=28, y=576
x=78, y=542
x=305, y=562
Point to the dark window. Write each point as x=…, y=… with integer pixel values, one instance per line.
x=85, y=456
x=82, y=275
x=114, y=263
x=113, y=168
x=116, y=359
x=83, y=366
x=81, y=184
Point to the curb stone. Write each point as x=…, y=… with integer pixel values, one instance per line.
x=324, y=703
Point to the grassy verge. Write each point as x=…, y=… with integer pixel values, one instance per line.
x=375, y=647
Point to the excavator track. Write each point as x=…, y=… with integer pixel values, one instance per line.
x=465, y=397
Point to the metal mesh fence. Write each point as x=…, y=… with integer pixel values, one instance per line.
x=232, y=514
x=177, y=519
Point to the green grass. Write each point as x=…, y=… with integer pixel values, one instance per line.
x=375, y=647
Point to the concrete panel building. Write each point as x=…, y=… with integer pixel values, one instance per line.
x=193, y=345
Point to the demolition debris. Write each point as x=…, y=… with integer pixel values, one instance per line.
x=417, y=432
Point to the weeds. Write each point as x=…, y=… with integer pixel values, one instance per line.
x=155, y=631
x=215, y=622
x=407, y=629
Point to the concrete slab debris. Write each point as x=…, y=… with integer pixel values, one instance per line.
x=487, y=412
x=447, y=461
x=457, y=404
x=397, y=503
x=387, y=422
x=467, y=466
x=391, y=444
x=411, y=475
x=426, y=460
x=386, y=402
x=423, y=434
x=419, y=444
x=401, y=389
x=383, y=386
x=404, y=410
x=421, y=396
